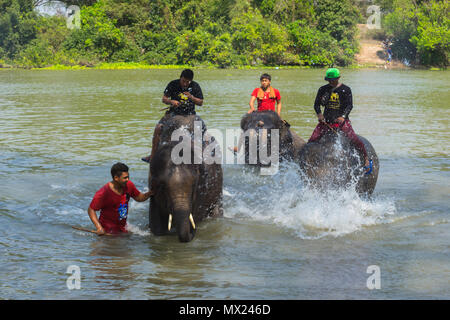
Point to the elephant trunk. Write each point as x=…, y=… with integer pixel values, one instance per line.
x=180, y=191
x=181, y=218
x=185, y=225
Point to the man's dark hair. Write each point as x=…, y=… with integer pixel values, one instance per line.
x=117, y=169
x=187, y=74
x=265, y=76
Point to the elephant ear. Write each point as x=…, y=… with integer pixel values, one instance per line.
x=245, y=120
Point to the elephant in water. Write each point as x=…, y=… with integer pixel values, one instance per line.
x=253, y=125
x=185, y=193
x=334, y=162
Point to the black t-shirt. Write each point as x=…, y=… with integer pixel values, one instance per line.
x=175, y=92
x=337, y=102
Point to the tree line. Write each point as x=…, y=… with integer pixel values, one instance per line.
x=222, y=33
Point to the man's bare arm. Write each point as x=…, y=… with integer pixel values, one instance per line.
x=94, y=219
x=279, y=107
x=143, y=196
x=252, y=104
x=167, y=100
x=195, y=100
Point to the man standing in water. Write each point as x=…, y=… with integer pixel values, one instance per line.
x=266, y=95
x=337, y=99
x=182, y=95
x=112, y=199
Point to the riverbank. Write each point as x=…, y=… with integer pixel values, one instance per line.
x=366, y=59
x=132, y=65
x=371, y=52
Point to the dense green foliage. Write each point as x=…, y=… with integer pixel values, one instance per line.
x=223, y=33
x=420, y=30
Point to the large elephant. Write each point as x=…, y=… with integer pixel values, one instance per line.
x=185, y=193
x=334, y=162
x=254, y=124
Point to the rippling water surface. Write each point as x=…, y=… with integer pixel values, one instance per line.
x=62, y=130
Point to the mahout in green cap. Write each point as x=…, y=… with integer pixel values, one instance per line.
x=331, y=74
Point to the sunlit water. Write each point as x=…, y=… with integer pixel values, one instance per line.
x=62, y=130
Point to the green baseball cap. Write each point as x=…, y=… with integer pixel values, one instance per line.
x=332, y=73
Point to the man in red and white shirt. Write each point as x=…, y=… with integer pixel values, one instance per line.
x=112, y=201
x=266, y=96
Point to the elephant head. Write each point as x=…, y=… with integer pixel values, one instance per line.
x=260, y=126
x=184, y=192
x=175, y=191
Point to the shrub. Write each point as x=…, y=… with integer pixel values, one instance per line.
x=37, y=53
x=264, y=42
x=313, y=47
x=97, y=34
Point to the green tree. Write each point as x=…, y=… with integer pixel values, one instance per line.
x=338, y=18
x=98, y=34
x=311, y=45
x=287, y=11
x=17, y=26
x=221, y=51
x=262, y=41
x=420, y=31
x=193, y=46
x=432, y=39
x=400, y=25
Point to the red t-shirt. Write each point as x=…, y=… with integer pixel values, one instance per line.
x=114, y=207
x=267, y=103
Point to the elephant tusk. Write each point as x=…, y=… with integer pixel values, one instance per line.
x=170, y=222
x=191, y=219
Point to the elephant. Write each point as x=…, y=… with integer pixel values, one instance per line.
x=334, y=162
x=253, y=123
x=185, y=193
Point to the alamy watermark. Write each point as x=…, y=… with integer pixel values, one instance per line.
x=374, y=280
x=74, y=280
x=374, y=15
x=73, y=17
x=374, y=20
x=210, y=147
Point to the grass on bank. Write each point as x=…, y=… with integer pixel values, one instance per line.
x=141, y=66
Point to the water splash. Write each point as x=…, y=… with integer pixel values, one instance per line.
x=134, y=229
x=300, y=208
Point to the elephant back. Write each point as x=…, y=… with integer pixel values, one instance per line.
x=269, y=118
x=289, y=141
x=333, y=161
x=173, y=122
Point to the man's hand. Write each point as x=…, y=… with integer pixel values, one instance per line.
x=148, y=194
x=320, y=117
x=94, y=219
x=100, y=231
x=175, y=103
x=340, y=120
x=188, y=94
x=251, y=110
x=144, y=196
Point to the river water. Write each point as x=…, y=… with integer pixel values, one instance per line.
x=62, y=130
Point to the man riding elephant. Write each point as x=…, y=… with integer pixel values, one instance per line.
x=337, y=100
x=268, y=116
x=266, y=96
x=182, y=95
